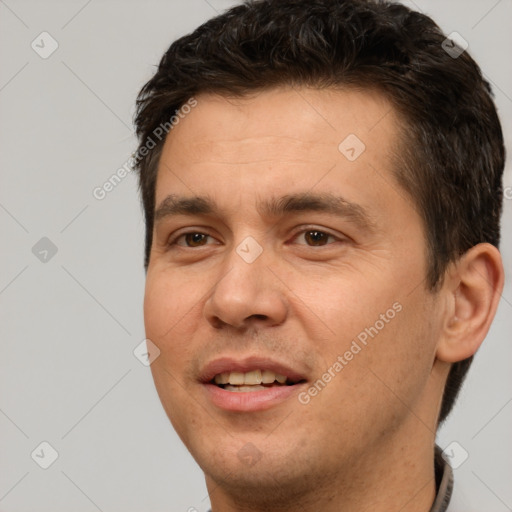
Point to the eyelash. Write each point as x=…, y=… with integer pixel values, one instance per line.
x=174, y=240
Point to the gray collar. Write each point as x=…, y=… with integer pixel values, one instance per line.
x=444, y=483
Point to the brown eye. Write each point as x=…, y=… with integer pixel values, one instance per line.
x=315, y=238
x=192, y=239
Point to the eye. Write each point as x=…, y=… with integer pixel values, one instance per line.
x=314, y=238
x=191, y=239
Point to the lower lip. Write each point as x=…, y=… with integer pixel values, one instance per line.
x=250, y=400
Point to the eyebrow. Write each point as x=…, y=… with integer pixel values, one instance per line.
x=272, y=207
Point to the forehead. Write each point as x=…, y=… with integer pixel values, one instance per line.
x=281, y=121
x=281, y=141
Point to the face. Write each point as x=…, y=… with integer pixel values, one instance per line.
x=286, y=289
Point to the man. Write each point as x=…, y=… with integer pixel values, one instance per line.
x=322, y=189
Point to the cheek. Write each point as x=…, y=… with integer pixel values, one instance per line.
x=168, y=317
x=345, y=302
x=169, y=302
x=379, y=325
x=399, y=358
x=382, y=380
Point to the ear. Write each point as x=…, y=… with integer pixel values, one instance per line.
x=473, y=287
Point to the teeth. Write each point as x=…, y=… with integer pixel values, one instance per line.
x=243, y=389
x=253, y=378
x=268, y=377
x=222, y=378
x=236, y=378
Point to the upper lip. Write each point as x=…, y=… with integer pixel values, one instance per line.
x=243, y=365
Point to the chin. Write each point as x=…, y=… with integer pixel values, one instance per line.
x=250, y=464
x=240, y=479
x=264, y=485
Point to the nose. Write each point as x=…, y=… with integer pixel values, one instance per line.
x=247, y=294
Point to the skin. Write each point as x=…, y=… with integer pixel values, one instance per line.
x=365, y=442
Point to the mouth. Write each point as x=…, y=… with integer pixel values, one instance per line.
x=253, y=384
x=254, y=380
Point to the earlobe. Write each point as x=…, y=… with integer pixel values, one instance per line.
x=473, y=287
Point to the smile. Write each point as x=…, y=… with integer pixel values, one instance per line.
x=252, y=384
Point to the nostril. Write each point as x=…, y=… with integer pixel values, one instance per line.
x=259, y=317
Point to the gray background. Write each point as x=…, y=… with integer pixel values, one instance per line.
x=69, y=325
